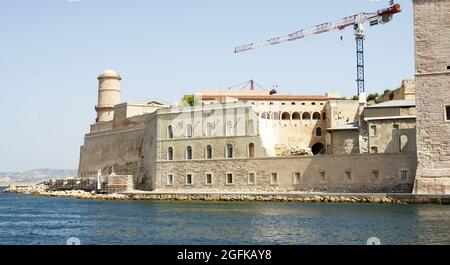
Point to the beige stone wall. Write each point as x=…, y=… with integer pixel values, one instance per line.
x=431, y=23
x=341, y=112
x=147, y=176
x=344, y=142
x=407, y=91
x=388, y=139
x=121, y=149
x=240, y=147
x=347, y=173
x=432, y=34
x=218, y=115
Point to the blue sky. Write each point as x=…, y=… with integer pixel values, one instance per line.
x=51, y=52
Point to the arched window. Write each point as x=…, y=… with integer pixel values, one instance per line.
x=306, y=116
x=170, y=132
x=251, y=150
x=285, y=116
x=170, y=153
x=296, y=116
x=229, y=151
x=189, y=131
x=230, y=129
x=209, y=129
x=318, y=131
x=374, y=150
x=275, y=116
x=316, y=116
x=403, y=143
x=250, y=128
x=189, y=153
x=208, y=152
x=292, y=103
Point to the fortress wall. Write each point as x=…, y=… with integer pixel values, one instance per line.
x=387, y=139
x=341, y=112
x=432, y=53
x=319, y=173
x=218, y=144
x=121, y=149
x=147, y=176
x=295, y=132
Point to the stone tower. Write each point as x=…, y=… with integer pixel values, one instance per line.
x=432, y=59
x=108, y=95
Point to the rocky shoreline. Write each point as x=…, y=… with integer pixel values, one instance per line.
x=41, y=190
x=306, y=197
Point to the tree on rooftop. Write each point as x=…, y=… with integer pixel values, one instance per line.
x=190, y=100
x=372, y=96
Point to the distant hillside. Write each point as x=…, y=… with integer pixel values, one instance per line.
x=36, y=175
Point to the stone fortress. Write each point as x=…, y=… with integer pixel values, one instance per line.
x=254, y=140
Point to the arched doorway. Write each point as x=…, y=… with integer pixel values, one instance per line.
x=318, y=149
x=403, y=143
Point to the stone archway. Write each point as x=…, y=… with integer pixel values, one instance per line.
x=318, y=148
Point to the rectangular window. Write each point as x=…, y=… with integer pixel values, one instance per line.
x=230, y=128
x=230, y=179
x=375, y=173
x=188, y=179
x=447, y=112
x=209, y=179
x=323, y=175
x=297, y=177
x=348, y=174
x=273, y=178
x=373, y=130
x=209, y=152
x=251, y=179
x=169, y=180
x=404, y=175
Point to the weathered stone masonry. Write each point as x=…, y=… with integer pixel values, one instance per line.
x=432, y=53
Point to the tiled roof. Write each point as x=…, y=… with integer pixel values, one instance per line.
x=269, y=97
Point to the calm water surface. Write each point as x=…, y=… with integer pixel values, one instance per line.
x=44, y=220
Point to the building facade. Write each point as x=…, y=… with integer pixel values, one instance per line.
x=251, y=140
x=254, y=140
x=432, y=57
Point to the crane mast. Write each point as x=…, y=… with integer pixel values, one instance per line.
x=357, y=21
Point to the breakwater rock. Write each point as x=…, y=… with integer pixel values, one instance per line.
x=290, y=196
x=42, y=190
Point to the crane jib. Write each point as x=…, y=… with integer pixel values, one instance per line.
x=341, y=24
x=296, y=35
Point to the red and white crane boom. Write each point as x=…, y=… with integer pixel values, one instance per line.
x=381, y=16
